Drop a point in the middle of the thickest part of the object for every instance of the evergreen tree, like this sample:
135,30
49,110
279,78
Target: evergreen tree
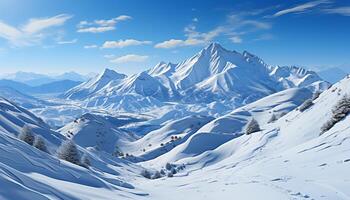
253,126
85,161
307,104
68,151
26,135
39,143
273,118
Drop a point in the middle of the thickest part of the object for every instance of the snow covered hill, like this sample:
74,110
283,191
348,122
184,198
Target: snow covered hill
97,131
13,118
290,158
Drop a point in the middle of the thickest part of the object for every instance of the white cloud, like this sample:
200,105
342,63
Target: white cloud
36,25
100,26
195,19
340,10
123,43
92,46
172,43
67,41
96,29
236,39
129,58
32,32
235,26
301,8
109,56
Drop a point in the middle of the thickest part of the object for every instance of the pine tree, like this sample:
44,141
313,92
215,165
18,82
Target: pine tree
339,112
273,118
253,126
145,173
85,161
39,143
27,135
156,175
68,151
307,104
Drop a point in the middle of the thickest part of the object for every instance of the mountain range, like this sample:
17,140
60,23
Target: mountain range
212,75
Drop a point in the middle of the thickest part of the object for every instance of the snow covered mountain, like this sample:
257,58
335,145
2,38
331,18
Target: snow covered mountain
214,74
93,85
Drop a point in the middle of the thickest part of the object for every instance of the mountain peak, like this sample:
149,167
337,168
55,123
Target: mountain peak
111,74
215,47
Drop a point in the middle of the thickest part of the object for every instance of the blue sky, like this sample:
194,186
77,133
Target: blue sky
131,36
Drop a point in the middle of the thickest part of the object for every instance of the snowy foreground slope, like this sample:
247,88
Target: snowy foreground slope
288,159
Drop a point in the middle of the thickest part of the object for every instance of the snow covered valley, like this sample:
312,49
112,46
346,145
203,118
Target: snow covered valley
219,125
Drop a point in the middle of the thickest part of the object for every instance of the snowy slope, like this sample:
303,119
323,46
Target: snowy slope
96,131
289,159
232,125
13,118
171,134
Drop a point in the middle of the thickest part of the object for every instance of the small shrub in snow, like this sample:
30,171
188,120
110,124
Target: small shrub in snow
68,151
173,171
170,174
339,112
168,166
85,161
307,104
316,95
253,126
156,175
273,118
145,173
282,114
39,143
26,135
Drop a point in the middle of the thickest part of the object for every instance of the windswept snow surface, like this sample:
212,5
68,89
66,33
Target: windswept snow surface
187,120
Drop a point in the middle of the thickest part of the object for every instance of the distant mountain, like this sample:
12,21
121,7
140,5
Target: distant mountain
214,74
60,86
73,76
35,79
108,77
333,74
20,98
55,87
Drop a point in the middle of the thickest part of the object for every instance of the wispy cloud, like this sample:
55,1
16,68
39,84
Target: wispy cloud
32,32
67,41
129,58
123,43
92,46
102,25
172,43
301,8
340,10
235,26
236,39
